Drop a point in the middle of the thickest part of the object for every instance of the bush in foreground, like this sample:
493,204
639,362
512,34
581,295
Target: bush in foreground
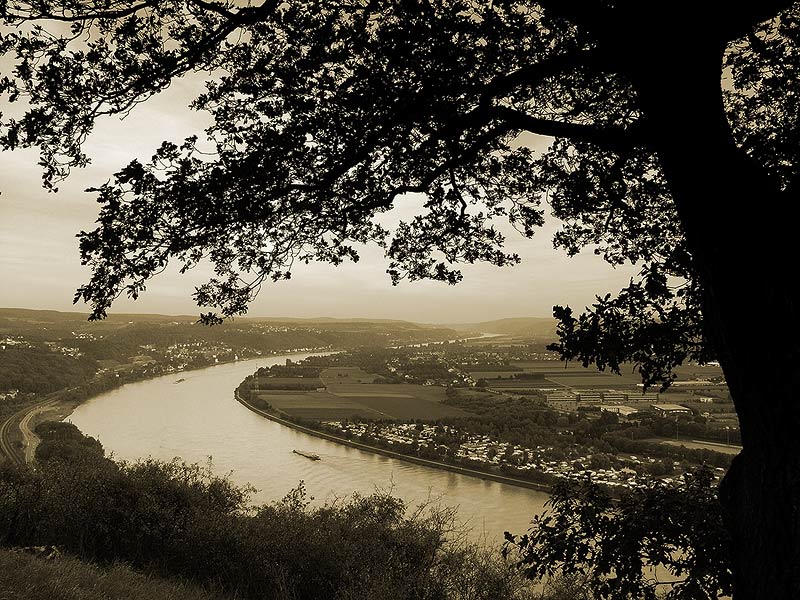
180,520
656,541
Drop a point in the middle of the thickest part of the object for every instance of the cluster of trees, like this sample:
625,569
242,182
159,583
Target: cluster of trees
373,360
655,541
179,520
64,441
697,427
699,456
41,371
425,370
292,369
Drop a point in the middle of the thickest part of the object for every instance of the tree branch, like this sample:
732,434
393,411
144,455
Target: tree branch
558,64
215,8
613,138
77,17
244,16
478,144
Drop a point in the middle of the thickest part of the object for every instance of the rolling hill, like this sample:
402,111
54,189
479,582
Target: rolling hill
543,328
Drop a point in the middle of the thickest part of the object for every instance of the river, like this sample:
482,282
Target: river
198,418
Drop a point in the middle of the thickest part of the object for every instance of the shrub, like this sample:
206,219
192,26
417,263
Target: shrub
614,548
180,520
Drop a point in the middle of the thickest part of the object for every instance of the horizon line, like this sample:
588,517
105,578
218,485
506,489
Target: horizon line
278,318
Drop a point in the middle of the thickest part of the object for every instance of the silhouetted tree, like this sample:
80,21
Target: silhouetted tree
657,541
324,113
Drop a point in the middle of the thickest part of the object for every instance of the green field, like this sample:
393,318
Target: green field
367,400
334,414
698,372
518,384
492,374
336,375
433,393
587,381
409,407
546,366
289,383
319,405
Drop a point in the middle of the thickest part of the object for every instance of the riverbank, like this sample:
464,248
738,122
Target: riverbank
196,422
59,405
398,455
17,439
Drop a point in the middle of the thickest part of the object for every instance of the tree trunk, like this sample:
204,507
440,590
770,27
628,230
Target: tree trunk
743,248
760,497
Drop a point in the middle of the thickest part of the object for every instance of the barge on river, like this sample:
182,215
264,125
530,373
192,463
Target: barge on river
310,455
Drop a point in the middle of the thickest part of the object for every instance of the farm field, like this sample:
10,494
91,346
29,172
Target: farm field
493,374
433,393
547,366
344,398
700,445
319,405
336,375
600,380
410,407
557,369
290,383
520,383
400,401
698,372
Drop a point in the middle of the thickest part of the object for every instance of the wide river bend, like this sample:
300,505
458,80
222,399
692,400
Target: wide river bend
198,418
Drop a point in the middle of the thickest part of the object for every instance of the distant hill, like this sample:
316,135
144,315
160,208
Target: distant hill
53,316
534,327
335,320
32,315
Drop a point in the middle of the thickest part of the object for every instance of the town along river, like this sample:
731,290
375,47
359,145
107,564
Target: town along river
198,418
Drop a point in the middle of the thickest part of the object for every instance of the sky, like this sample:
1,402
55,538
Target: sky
40,266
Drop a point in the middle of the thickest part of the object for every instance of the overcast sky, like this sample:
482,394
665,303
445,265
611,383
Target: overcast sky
40,268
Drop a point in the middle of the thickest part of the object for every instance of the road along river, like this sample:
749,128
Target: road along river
198,418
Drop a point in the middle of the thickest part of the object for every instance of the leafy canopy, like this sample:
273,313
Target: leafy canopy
657,541
325,113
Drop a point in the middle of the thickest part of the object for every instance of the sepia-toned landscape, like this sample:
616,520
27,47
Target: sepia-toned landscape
420,300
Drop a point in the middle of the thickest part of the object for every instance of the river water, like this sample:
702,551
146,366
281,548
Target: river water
198,418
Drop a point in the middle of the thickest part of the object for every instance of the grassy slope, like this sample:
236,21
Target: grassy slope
26,577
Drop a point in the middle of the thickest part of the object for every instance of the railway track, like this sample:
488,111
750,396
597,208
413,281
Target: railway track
19,421
7,447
